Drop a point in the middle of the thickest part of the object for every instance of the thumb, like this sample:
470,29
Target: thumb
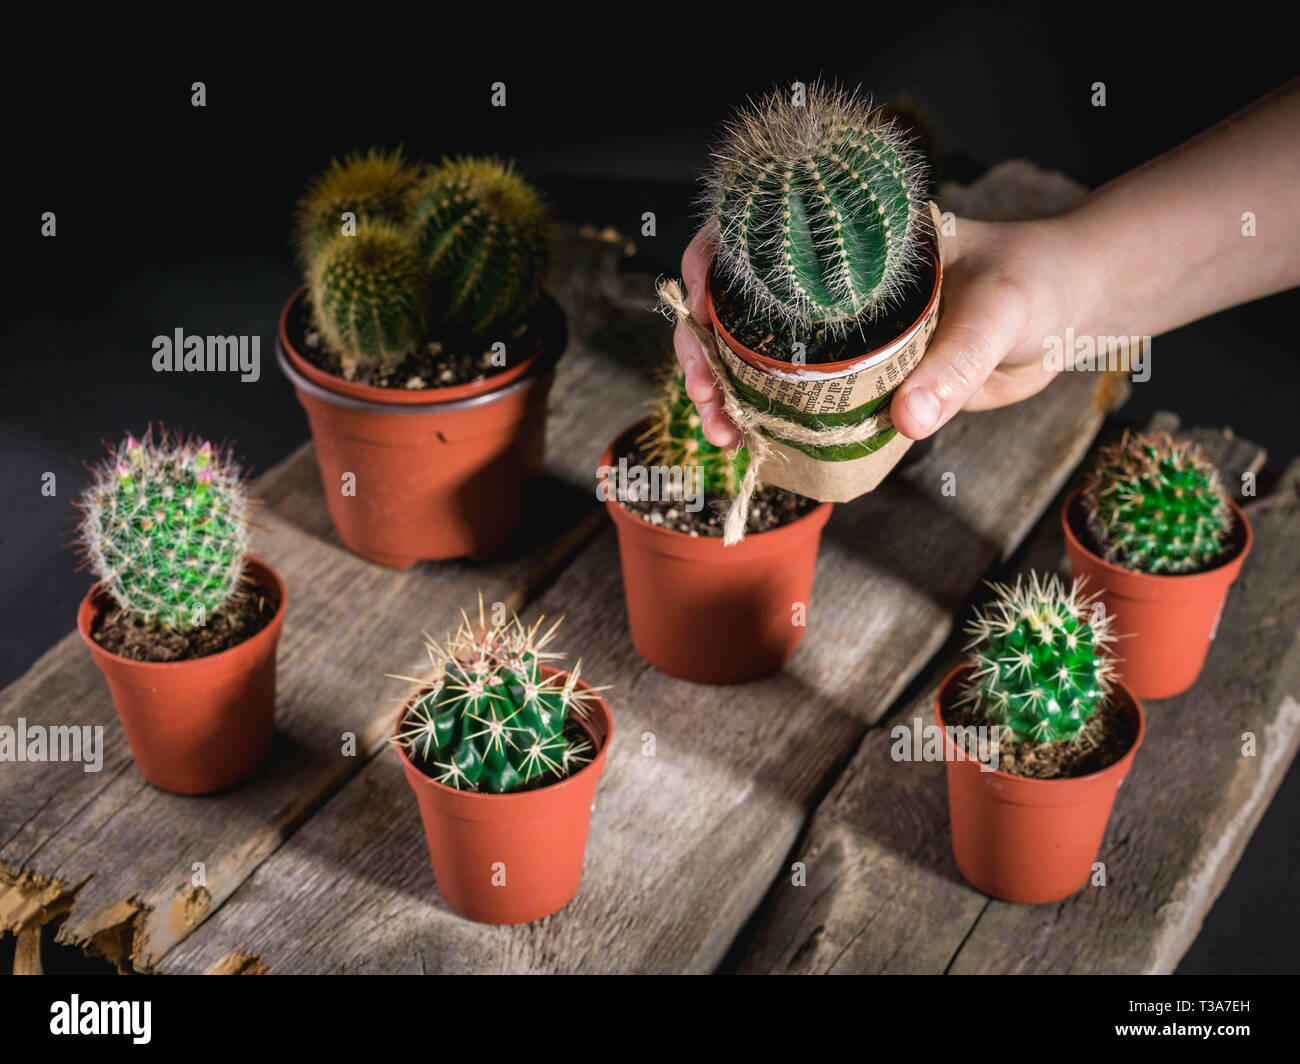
977,329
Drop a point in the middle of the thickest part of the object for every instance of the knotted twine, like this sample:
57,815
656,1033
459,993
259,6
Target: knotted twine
756,424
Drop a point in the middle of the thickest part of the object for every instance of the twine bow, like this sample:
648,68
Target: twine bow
757,425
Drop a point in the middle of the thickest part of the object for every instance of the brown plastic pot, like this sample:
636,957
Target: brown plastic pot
201,725
1165,622
1026,840
436,472
707,613
512,858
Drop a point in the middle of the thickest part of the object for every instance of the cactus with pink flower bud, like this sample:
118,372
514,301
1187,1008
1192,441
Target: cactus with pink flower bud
164,525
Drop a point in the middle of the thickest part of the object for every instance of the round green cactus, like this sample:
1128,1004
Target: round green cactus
369,293
1042,659
1155,505
819,210
373,187
489,720
164,526
675,438
485,237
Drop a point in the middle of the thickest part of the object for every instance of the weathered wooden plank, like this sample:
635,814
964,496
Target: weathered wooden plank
684,844
125,858
883,893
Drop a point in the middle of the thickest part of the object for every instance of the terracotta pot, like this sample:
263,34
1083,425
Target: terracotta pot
1026,840
512,858
201,725
1165,622
707,613
437,472
831,394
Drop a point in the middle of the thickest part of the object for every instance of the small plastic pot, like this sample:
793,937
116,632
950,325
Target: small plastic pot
201,725
707,613
428,474
517,857
1026,840
1165,621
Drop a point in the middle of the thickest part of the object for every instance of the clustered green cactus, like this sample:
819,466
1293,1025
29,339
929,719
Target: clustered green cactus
458,252
675,438
164,525
820,211
488,719
1155,505
1042,659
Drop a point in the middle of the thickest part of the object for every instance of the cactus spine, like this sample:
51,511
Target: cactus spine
1155,505
488,720
373,187
675,438
369,294
819,210
164,525
1042,659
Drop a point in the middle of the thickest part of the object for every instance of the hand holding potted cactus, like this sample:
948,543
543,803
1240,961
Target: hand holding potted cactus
183,623
422,349
1154,533
503,752
1028,827
824,289
697,609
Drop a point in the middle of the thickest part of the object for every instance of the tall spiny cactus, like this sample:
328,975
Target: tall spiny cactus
164,525
373,187
1155,505
485,236
369,292
1042,659
488,719
819,210
675,438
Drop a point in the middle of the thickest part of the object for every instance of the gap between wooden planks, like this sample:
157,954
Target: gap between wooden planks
883,893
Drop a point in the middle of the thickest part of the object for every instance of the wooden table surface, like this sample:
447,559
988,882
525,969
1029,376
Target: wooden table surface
319,864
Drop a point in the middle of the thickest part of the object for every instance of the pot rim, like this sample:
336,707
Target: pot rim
1211,575
857,364
483,796
90,609
371,399
1119,767
618,512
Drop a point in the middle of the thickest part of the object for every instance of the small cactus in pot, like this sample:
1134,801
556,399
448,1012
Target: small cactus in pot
1154,504
374,186
675,438
1042,659
488,718
164,525
820,210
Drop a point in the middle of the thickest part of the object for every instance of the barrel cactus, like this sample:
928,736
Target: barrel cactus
1042,660
1155,504
164,526
372,186
369,293
488,719
820,211
675,438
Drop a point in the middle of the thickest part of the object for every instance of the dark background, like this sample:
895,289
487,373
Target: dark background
170,215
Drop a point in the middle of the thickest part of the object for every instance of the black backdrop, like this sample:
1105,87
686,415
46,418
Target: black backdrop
174,216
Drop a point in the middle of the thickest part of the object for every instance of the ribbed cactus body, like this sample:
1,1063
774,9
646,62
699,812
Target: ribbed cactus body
675,438
485,237
1155,505
370,292
1042,663
164,525
819,210
372,187
489,720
